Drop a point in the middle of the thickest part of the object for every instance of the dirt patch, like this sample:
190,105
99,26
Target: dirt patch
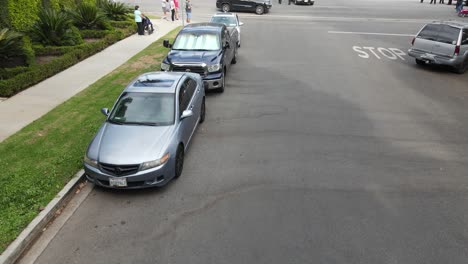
144,62
89,40
45,59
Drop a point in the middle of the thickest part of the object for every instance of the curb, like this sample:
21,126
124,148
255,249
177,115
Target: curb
34,229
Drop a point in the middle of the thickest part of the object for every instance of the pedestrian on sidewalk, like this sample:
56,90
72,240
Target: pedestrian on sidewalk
441,2
459,6
433,2
289,2
188,10
172,7
176,4
139,21
164,8
279,1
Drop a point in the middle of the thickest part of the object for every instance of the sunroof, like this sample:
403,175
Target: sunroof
148,82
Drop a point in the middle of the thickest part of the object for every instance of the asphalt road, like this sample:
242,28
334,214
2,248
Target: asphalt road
314,154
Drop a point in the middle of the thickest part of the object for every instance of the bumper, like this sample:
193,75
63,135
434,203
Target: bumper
155,177
454,61
213,81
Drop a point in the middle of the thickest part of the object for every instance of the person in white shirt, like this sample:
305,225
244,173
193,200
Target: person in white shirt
164,8
172,5
139,20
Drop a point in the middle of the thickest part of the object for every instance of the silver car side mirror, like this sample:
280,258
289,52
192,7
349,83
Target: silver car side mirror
105,111
186,113
241,23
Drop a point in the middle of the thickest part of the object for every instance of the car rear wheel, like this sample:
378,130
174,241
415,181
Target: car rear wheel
420,62
202,111
179,162
226,7
259,10
462,68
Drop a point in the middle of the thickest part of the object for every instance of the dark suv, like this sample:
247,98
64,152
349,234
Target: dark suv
208,49
257,6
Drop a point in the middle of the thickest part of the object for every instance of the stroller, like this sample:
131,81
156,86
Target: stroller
147,25
463,13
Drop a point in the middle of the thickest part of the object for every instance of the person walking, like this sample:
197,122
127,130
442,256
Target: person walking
289,2
441,2
459,6
139,21
279,1
188,10
172,7
433,2
176,4
164,8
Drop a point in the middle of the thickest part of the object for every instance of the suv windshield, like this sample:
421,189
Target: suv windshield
153,109
440,33
226,20
197,41
449,35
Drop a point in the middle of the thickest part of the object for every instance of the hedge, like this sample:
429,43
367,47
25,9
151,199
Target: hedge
23,13
38,73
4,18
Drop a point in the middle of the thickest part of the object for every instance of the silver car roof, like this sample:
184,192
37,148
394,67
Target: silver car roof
170,76
457,24
224,14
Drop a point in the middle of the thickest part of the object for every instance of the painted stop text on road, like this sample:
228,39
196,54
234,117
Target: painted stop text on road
379,53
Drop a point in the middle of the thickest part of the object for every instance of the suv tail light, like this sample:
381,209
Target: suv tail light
457,50
412,42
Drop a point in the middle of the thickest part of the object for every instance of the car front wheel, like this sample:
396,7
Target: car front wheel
179,162
420,62
259,10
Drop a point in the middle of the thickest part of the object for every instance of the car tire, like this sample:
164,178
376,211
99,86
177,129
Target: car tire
179,162
462,68
202,111
226,8
420,62
234,59
259,10
221,89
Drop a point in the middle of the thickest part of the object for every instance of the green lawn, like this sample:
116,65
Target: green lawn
40,159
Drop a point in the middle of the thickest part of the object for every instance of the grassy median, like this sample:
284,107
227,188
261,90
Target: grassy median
40,159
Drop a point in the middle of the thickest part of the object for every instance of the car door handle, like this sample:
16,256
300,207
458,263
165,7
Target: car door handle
191,107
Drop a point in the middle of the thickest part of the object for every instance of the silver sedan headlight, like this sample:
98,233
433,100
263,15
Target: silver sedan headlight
155,163
165,67
214,67
90,162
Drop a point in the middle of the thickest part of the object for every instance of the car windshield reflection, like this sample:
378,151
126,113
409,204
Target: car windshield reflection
147,109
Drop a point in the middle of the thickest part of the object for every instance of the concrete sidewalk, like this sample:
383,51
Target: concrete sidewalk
29,105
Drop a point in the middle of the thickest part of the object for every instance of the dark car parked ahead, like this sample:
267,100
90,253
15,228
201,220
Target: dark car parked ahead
257,6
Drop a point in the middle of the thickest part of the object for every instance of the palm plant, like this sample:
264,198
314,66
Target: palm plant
53,28
116,11
11,43
87,16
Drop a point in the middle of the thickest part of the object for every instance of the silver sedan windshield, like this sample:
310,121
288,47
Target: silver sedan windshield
154,109
228,21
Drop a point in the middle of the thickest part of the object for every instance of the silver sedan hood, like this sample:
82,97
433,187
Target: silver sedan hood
129,144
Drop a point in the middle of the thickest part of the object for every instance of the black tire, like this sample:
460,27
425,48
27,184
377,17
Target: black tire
225,7
234,59
179,163
221,89
259,10
462,68
202,111
420,62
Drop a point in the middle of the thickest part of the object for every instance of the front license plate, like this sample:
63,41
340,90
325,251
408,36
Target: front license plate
118,182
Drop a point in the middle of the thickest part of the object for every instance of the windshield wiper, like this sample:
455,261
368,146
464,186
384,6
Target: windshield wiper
143,123
115,122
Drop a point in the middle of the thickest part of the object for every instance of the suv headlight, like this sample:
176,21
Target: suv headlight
165,67
155,163
90,162
214,67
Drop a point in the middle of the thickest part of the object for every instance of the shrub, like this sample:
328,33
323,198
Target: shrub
55,28
22,13
10,44
114,10
87,16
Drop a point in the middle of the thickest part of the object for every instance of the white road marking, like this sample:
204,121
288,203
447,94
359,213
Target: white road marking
389,53
326,18
371,33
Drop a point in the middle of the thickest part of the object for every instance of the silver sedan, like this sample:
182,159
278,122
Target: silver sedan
145,135
231,20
